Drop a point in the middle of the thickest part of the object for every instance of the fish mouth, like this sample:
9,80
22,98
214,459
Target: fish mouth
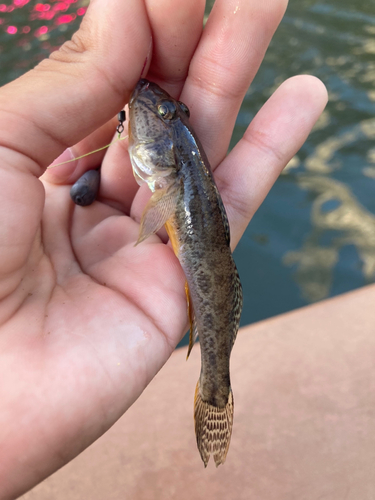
142,84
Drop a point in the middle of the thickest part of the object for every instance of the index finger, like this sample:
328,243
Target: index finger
80,87
227,58
176,29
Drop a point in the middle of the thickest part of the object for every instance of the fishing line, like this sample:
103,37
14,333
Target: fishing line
119,129
88,154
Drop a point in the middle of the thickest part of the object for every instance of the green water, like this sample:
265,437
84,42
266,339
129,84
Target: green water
314,236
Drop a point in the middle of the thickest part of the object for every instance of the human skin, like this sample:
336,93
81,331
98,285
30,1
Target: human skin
87,319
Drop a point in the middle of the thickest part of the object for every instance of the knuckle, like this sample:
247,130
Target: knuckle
264,143
73,49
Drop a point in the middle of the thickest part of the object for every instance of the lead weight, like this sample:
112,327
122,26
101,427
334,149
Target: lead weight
84,191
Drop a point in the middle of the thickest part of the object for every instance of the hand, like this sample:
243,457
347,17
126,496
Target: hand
87,319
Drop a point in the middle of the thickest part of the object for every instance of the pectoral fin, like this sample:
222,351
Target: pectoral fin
160,207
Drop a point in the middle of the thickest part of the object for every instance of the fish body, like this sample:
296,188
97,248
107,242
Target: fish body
166,154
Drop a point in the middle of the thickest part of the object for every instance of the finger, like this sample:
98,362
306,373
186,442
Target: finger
176,31
63,100
229,53
81,86
232,47
118,185
271,140
72,168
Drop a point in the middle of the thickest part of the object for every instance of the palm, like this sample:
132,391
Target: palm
104,287
87,318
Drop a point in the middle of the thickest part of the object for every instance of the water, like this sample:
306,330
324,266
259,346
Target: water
30,31
314,236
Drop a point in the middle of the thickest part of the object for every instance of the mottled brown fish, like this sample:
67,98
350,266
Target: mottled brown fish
166,153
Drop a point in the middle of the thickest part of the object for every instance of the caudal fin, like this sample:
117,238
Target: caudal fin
213,428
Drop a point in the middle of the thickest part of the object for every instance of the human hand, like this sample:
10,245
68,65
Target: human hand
87,319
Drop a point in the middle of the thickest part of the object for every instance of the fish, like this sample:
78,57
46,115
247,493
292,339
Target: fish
85,189
166,154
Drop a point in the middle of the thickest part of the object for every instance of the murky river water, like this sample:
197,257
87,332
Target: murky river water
314,236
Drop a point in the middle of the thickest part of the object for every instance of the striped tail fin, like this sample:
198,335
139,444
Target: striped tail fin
213,428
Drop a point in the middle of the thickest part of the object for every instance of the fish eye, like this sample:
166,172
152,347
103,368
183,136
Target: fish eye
184,108
167,110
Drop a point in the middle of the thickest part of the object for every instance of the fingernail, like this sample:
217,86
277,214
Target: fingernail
66,156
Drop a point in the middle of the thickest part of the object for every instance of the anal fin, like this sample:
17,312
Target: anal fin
193,325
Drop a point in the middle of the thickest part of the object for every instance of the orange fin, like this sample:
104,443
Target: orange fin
213,428
193,326
159,209
172,236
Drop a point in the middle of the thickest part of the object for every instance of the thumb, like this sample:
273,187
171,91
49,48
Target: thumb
80,87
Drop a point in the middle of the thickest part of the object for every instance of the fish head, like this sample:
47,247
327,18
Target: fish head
153,123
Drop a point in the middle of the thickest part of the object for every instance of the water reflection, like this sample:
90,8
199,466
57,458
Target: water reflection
30,31
337,211
326,157
351,222
319,216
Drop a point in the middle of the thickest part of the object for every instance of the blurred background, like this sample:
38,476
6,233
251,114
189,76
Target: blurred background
314,236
